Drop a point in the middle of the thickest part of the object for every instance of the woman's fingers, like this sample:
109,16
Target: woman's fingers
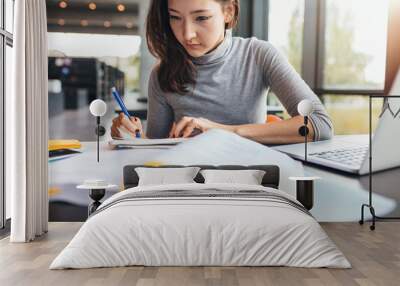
136,121
131,126
187,132
171,133
123,129
181,125
115,134
190,126
116,122
124,124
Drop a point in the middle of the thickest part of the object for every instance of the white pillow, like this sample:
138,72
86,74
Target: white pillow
247,177
166,176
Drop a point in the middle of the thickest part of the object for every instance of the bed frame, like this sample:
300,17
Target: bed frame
270,179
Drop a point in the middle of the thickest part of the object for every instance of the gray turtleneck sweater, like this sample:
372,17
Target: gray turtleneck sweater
230,89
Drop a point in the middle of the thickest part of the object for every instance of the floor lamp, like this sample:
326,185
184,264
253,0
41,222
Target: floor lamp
98,108
370,205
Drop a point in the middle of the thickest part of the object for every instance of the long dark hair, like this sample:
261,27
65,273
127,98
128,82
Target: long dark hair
176,70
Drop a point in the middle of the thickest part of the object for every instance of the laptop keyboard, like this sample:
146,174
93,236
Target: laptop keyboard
348,156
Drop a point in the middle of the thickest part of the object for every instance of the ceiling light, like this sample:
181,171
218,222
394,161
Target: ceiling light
67,61
61,22
121,7
107,24
59,62
63,4
92,6
84,23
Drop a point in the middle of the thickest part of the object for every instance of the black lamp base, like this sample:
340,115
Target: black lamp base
96,195
372,211
305,193
100,130
304,131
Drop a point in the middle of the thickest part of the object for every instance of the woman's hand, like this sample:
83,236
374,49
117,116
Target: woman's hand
191,126
130,126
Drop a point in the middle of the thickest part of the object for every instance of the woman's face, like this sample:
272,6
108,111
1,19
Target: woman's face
199,25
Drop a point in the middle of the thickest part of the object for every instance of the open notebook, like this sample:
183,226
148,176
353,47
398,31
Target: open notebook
145,143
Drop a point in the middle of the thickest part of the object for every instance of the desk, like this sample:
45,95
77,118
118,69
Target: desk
66,174
338,196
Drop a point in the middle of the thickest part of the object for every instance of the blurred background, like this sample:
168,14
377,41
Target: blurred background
339,48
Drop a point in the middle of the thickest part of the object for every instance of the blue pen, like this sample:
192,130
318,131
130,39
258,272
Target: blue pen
122,105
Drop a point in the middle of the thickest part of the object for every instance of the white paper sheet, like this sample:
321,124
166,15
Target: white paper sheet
147,142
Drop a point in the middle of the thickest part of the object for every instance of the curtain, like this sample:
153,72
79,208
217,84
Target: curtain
27,123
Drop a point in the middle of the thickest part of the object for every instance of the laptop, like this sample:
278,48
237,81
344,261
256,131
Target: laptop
350,153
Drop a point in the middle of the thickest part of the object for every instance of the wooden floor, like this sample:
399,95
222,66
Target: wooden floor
375,257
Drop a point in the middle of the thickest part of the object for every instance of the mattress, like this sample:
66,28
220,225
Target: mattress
201,225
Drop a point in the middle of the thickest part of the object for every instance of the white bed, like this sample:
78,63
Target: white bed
201,225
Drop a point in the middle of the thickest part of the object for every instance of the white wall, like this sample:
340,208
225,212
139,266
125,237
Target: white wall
94,45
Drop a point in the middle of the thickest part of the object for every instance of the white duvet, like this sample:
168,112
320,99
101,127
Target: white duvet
202,231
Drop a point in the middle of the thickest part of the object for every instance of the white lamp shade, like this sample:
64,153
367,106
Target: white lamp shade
305,107
98,107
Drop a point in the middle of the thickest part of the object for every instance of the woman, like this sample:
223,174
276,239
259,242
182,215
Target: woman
208,79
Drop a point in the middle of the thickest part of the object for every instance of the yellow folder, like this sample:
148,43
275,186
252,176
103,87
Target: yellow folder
64,144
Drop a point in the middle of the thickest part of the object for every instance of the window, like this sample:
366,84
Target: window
354,60
339,48
8,74
350,114
285,32
285,29
9,11
355,44
6,40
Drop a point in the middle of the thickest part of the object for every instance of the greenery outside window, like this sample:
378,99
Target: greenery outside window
285,29
339,48
355,44
350,113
